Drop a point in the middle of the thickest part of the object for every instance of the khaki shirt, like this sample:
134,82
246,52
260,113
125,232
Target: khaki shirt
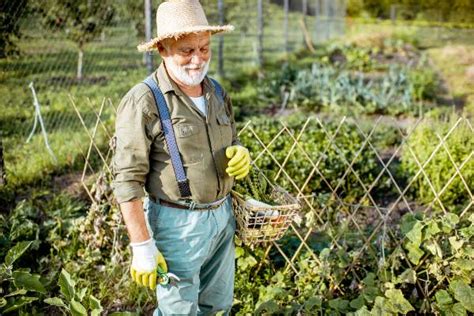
141,158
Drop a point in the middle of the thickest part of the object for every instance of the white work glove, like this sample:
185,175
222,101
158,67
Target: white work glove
145,262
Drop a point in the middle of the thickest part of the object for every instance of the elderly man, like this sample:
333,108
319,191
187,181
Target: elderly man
176,138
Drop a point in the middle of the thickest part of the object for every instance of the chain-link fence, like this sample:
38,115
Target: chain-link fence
52,51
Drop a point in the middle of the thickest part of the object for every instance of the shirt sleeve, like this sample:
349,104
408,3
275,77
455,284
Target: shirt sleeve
230,112
131,157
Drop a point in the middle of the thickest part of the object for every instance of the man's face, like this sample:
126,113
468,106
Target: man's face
187,57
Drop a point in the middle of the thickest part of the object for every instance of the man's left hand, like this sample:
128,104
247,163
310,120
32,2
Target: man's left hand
239,163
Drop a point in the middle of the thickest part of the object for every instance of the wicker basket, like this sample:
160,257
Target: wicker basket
260,224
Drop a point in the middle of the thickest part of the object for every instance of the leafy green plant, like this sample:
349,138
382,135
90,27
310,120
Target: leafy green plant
444,273
343,92
443,165
255,186
75,300
22,287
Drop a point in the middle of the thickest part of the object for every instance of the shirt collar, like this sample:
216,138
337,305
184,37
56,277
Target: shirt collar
166,84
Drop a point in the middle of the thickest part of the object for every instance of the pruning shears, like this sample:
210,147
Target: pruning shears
165,278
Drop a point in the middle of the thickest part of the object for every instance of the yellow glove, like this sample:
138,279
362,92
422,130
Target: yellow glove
239,163
145,262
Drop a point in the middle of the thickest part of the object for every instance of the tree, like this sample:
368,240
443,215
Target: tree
81,20
11,11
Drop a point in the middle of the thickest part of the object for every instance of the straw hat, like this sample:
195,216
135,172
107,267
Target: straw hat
175,18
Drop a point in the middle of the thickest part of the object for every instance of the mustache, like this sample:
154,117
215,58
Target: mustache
194,67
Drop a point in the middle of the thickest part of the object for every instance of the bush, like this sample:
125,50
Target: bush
439,170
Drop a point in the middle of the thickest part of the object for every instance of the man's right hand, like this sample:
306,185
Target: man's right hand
145,261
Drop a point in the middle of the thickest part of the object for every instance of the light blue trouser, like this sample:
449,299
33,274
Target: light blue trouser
198,247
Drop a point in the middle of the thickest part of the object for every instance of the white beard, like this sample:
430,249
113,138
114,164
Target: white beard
181,73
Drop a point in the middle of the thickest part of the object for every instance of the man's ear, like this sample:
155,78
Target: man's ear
161,49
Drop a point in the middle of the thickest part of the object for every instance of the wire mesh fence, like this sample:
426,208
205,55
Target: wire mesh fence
46,59
53,50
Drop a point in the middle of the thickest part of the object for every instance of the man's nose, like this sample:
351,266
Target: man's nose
197,58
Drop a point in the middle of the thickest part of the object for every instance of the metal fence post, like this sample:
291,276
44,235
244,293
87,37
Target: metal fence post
260,33
286,8
327,25
148,55
304,11
317,16
2,169
393,13
342,17
220,57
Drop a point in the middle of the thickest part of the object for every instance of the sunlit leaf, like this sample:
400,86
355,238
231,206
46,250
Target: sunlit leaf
16,251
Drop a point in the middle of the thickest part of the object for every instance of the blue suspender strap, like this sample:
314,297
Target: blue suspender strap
183,182
218,88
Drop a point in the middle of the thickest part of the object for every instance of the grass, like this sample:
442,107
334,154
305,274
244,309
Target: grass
453,62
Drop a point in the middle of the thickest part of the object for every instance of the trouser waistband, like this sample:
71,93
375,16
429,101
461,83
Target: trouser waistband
191,205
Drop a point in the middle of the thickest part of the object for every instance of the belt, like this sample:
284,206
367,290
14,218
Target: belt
192,205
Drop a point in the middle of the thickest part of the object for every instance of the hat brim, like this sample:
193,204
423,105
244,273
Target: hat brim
151,45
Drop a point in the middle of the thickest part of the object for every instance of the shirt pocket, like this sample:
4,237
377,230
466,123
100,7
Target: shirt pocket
190,139
187,130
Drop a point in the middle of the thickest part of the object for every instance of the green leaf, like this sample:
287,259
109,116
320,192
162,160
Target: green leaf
458,310
95,312
339,304
434,248
398,302
246,262
443,298
414,253
66,285
467,232
362,312
124,314
16,304
407,223
81,293
449,222
370,293
77,309
451,218
464,264
431,229
3,301
269,307
56,301
358,302
313,303
463,293
380,307
369,279
408,276
14,253
94,303
28,281
17,292
456,244
416,233
324,254
239,252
